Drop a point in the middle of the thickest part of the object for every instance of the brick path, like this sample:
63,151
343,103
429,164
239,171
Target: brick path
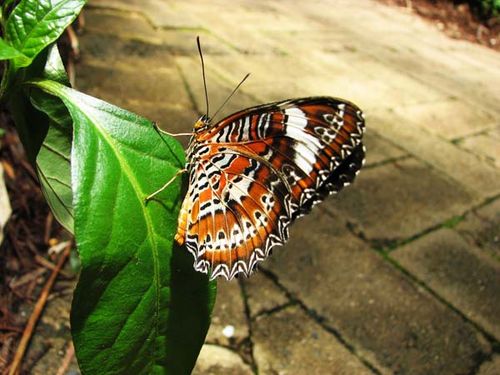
400,274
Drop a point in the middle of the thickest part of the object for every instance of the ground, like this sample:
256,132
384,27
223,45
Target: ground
398,274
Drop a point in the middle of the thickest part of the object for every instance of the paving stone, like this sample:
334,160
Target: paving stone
119,86
229,325
290,342
495,132
262,294
458,272
111,51
482,228
380,150
409,195
216,360
53,358
128,25
491,367
485,146
435,118
389,321
480,178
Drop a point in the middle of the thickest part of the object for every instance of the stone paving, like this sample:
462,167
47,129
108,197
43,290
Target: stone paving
399,274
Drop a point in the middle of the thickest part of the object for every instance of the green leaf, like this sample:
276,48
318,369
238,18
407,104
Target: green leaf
53,159
7,52
139,307
35,24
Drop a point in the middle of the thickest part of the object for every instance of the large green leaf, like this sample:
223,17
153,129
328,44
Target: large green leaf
35,24
139,307
53,159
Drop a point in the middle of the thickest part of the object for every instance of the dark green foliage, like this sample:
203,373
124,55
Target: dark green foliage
485,9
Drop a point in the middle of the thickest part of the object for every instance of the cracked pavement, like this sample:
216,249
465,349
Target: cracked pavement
400,273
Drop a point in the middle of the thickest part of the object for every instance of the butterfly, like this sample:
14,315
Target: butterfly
256,171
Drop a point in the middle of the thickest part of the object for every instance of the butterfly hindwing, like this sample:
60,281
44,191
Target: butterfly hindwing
257,170
234,212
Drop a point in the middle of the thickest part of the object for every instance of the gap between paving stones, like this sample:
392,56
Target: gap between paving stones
131,10
318,319
456,141
387,246
248,318
274,310
126,10
387,161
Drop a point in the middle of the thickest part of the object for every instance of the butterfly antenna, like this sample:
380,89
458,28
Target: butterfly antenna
229,97
203,71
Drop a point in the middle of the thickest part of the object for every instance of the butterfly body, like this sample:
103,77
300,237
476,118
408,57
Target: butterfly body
254,172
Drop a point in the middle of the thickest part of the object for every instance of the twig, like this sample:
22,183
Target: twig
70,352
28,168
5,327
81,23
26,278
74,54
37,311
70,70
51,266
48,228
5,351
9,170
73,42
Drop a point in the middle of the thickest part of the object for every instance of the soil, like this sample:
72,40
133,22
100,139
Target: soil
455,20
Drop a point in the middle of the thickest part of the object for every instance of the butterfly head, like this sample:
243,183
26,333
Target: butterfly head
202,124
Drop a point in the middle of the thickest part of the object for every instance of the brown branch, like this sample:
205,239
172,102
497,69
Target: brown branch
37,311
51,266
5,327
70,352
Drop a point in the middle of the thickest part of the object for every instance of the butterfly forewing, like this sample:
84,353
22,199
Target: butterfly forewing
256,171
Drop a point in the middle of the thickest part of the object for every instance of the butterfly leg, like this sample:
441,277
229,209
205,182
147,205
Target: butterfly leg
152,195
161,131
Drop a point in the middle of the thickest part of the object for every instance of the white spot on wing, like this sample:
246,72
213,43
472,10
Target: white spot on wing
307,145
305,158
